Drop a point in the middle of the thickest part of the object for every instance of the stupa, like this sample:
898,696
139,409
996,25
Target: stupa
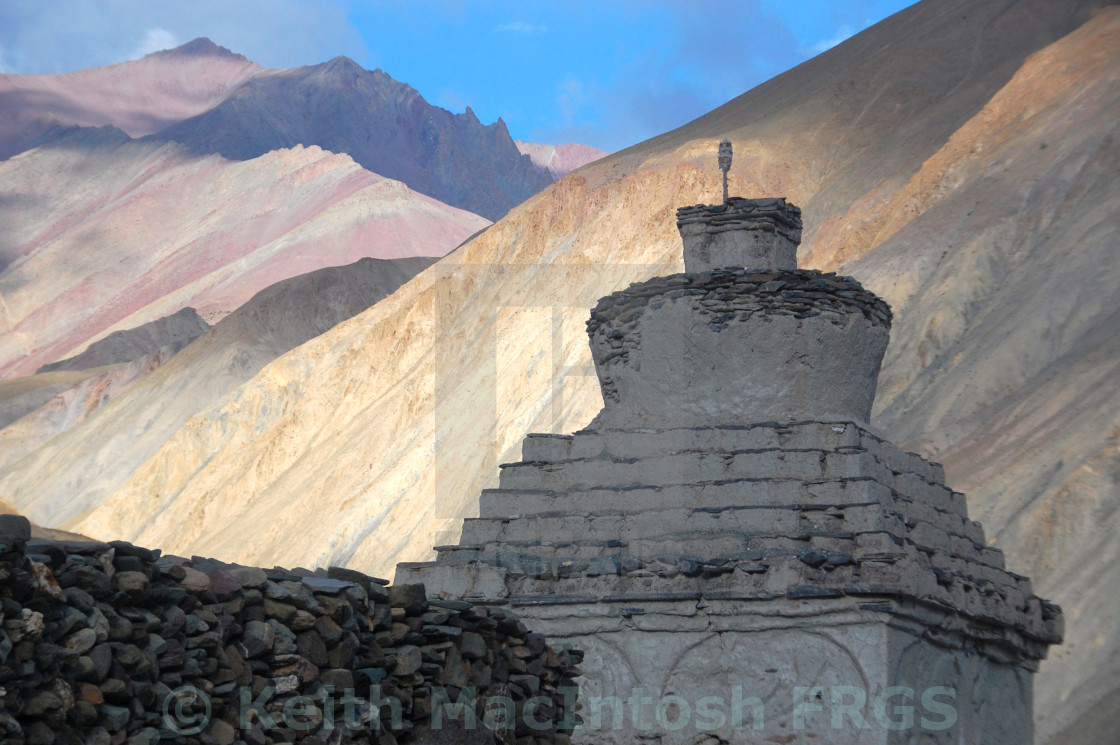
740,556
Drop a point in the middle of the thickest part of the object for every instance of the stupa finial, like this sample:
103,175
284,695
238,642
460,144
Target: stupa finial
725,164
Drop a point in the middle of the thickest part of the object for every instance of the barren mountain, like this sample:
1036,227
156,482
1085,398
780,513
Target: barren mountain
215,101
139,97
958,158
44,405
21,396
174,331
103,233
559,160
386,126
140,419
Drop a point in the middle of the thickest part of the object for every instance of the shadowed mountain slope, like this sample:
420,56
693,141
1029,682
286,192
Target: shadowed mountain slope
174,331
386,126
138,97
215,101
958,158
103,233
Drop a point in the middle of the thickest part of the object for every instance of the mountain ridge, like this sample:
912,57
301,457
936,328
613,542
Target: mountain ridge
385,125
133,230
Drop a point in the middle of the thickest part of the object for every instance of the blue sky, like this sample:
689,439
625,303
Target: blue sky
608,73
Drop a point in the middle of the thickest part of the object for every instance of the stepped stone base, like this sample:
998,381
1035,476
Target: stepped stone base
757,562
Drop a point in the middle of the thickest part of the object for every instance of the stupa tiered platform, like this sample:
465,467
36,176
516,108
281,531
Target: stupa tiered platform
738,554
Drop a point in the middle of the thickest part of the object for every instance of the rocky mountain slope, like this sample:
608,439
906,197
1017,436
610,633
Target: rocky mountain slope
138,97
559,160
958,158
215,101
21,396
103,233
386,126
44,405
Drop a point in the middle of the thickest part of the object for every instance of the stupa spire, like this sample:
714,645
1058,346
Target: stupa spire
725,154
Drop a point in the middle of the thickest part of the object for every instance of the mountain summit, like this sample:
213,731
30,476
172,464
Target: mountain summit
385,125
216,101
200,47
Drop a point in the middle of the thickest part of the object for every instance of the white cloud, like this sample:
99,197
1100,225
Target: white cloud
155,39
520,27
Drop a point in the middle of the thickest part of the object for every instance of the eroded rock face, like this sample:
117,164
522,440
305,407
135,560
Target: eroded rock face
384,125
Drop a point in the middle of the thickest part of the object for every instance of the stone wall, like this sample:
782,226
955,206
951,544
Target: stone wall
104,644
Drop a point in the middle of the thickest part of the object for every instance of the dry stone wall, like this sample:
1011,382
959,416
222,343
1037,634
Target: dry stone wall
104,644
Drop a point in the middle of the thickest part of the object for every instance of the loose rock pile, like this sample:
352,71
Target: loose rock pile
111,643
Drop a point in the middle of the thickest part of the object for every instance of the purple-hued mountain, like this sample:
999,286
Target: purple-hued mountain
138,97
385,126
215,101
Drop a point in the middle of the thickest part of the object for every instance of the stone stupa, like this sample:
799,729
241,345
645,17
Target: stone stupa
740,557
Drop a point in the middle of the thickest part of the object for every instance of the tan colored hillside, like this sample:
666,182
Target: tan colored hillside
959,159
78,446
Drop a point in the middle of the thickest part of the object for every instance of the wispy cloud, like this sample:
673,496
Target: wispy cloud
701,64
155,39
572,97
520,27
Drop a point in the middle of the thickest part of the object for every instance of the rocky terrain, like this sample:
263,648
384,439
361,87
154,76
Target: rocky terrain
958,159
104,233
44,405
215,101
100,643
385,125
138,414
